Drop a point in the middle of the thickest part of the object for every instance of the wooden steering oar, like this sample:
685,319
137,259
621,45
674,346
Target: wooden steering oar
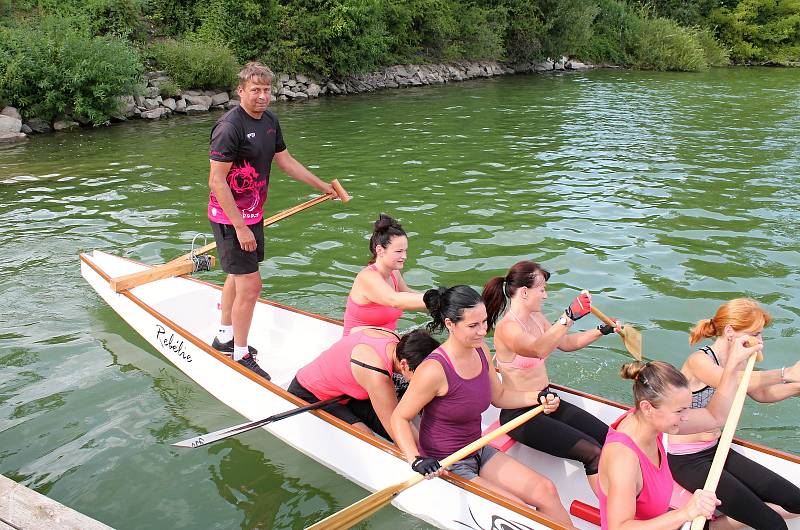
185,264
721,455
631,337
354,513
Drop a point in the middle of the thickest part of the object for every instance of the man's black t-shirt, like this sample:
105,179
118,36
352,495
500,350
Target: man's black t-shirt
250,145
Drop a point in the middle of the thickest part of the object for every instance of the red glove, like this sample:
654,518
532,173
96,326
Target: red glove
579,307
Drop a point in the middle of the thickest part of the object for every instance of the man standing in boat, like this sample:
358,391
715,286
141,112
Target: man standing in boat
244,142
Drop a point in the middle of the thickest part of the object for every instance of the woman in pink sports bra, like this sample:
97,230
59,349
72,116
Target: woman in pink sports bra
635,482
379,294
523,339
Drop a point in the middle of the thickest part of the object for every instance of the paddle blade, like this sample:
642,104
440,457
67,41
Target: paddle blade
632,340
359,511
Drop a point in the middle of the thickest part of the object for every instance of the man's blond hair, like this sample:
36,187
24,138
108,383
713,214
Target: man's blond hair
254,71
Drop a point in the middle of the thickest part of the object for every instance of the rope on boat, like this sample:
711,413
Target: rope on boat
201,262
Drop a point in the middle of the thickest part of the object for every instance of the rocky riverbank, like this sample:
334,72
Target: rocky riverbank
157,102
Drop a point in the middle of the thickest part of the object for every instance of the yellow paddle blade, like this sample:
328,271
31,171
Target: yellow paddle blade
359,511
632,340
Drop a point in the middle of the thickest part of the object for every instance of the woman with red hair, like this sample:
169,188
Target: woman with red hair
750,493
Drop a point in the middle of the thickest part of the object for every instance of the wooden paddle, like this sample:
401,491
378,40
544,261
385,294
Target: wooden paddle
631,337
185,265
354,513
205,439
721,455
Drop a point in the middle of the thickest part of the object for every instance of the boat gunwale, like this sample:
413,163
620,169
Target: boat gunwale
521,509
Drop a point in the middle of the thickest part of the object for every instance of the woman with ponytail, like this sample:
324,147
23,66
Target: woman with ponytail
379,294
452,388
523,340
635,482
750,493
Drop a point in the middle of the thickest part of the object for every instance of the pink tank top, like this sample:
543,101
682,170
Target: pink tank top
330,374
371,314
657,483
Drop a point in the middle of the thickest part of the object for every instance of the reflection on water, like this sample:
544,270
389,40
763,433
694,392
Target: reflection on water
664,194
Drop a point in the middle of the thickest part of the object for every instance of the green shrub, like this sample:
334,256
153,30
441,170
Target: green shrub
195,64
715,54
760,30
661,44
168,89
122,18
612,34
53,67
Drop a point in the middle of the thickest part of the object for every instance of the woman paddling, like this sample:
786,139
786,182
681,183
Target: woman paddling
452,387
635,480
750,493
361,365
523,340
379,294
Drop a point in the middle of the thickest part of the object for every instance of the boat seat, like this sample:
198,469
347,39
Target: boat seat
501,443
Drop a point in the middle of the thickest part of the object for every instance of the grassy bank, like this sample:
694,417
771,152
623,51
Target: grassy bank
75,57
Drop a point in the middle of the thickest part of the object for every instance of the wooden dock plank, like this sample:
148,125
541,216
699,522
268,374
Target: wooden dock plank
21,507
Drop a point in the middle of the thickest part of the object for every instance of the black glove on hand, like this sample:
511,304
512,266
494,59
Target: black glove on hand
605,329
425,465
544,393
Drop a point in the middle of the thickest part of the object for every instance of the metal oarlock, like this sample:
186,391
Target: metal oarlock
203,261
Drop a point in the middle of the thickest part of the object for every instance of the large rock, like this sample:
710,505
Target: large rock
153,114
219,99
302,79
10,138
196,109
65,125
11,112
25,129
39,125
313,90
197,100
151,104
180,105
169,103
333,87
9,124
151,92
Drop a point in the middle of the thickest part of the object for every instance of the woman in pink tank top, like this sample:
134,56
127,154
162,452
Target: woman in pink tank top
452,388
523,340
361,366
379,293
635,483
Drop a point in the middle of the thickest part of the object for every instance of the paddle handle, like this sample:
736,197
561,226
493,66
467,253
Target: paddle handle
721,455
602,316
466,451
599,314
340,191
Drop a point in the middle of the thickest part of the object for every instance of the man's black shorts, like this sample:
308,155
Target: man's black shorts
232,258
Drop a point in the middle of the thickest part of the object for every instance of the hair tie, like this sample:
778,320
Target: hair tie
713,326
504,289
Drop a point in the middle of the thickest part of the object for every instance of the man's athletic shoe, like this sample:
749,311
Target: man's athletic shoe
227,347
250,363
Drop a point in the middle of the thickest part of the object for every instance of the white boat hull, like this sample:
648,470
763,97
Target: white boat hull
178,317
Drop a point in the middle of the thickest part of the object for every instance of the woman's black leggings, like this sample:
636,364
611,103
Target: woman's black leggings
743,488
569,432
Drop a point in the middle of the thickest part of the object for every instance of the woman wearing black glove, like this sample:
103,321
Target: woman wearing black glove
523,339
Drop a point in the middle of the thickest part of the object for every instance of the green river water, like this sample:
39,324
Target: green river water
664,194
